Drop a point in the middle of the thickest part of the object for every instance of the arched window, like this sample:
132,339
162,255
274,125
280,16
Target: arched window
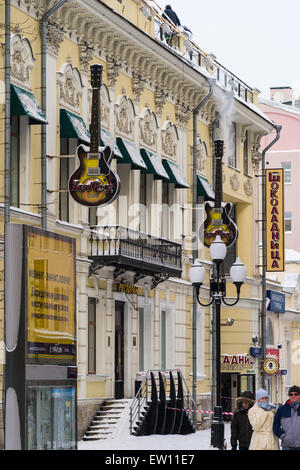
270,333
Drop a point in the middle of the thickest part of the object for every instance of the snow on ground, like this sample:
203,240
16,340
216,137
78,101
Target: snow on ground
122,440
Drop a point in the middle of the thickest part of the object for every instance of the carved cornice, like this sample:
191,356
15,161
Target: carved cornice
54,39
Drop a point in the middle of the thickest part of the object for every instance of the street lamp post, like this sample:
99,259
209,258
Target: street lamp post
217,294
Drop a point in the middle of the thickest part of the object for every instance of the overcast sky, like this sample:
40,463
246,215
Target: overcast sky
259,41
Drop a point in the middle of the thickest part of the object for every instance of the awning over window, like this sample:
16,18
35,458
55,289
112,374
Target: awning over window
154,165
204,189
73,127
130,154
108,139
25,103
175,174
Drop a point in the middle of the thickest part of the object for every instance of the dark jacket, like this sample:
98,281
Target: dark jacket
170,14
286,425
241,429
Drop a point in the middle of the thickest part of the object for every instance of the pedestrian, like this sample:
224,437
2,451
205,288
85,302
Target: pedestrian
171,17
241,429
170,14
287,421
261,417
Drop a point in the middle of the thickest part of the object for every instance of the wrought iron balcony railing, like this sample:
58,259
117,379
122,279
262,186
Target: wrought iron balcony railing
131,250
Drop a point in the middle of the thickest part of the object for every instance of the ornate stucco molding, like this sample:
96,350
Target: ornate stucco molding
124,116
54,39
169,140
148,129
22,60
70,86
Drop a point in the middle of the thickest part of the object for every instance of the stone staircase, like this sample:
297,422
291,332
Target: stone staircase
107,419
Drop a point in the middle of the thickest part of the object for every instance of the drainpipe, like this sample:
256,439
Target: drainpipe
7,111
264,250
211,83
44,108
7,151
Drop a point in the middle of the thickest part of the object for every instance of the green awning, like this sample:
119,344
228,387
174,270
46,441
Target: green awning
24,103
130,154
175,174
204,189
73,127
154,165
108,139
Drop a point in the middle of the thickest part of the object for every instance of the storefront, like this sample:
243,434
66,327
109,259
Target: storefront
237,376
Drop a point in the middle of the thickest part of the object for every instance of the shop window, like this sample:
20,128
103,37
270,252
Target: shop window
166,339
91,335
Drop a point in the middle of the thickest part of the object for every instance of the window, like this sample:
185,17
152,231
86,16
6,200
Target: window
64,181
246,155
270,333
287,166
167,338
231,250
141,339
287,221
91,335
143,202
231,147
15,161
165,215
92,216
163,339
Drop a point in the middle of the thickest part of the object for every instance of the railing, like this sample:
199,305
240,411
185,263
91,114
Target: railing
115,240
145,393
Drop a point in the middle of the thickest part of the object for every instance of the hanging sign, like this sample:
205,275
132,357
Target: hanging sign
275,219
271,365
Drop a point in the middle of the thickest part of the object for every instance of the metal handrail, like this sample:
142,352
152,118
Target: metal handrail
143,395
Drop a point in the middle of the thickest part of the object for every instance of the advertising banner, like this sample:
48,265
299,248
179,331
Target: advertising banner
275,219
51,334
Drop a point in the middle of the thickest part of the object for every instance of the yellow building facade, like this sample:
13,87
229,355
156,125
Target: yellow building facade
134,309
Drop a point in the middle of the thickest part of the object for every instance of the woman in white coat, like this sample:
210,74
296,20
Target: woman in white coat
261,417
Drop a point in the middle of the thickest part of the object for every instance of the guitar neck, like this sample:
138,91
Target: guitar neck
95,118
218,176
218,188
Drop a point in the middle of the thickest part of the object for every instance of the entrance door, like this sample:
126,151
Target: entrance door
119,350
246,382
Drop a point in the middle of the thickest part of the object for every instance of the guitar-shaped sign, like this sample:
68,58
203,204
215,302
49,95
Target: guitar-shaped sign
218,221
94,183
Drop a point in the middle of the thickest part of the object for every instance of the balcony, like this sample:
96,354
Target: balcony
134,251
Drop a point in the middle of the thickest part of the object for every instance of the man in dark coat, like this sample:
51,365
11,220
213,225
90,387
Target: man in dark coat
170,14
241,429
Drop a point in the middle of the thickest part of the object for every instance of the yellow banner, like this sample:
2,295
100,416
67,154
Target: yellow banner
275,219
50,297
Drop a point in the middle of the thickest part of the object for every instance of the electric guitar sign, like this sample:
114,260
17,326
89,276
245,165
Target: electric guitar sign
218,221
94,183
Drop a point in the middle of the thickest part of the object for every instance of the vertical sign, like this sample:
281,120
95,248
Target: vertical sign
275,219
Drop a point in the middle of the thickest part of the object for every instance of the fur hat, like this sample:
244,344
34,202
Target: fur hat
294,389
261,393
246,396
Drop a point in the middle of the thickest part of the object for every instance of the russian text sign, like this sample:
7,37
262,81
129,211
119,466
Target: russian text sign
275,219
